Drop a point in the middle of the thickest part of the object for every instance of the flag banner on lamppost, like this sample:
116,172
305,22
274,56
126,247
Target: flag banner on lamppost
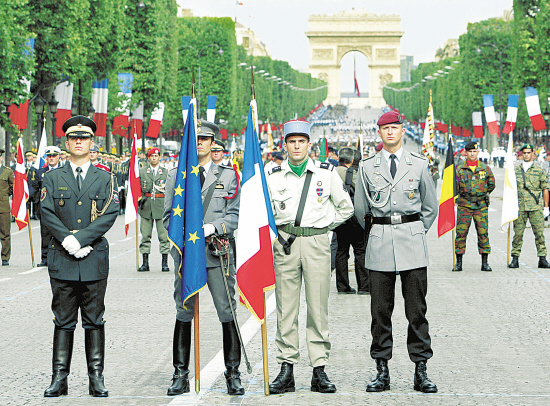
533,108
512,114
136,124
155,122
490,115
185,100
121,122
100,96
211,108
477,121
64,95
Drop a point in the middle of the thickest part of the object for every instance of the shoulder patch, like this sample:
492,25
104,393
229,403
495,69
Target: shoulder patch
418,155
326,165
369,157
275,169
43,194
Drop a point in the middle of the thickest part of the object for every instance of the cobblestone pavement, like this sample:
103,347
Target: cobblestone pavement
490,334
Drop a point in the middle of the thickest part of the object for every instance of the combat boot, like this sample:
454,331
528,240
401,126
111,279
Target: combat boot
320,382
458,265
232,358
61,362
421,381
382,380
543,263
165,267
484,264
284,381
514,263
94,344
181,352
145,266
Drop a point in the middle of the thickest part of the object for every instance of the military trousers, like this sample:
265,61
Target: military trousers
414,287
5,235
351,234
216,285
45,237
69,296
464,218
536,219
309,259
146,229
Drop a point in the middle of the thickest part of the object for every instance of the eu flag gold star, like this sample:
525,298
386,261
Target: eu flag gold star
195,170
178,190
184,173
193,237
177,211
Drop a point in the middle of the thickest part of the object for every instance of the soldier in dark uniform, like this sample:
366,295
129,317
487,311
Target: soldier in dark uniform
34,195
6,190
52,158
79,204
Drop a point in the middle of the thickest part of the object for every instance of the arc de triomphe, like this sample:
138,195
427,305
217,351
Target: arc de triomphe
376,36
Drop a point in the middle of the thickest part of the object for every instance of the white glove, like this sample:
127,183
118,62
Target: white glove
546,212
82,252
209,229
71,244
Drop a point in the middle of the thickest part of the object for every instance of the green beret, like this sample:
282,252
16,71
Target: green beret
529,146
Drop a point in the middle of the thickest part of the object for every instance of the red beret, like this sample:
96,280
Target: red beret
379,147
153,151
391,117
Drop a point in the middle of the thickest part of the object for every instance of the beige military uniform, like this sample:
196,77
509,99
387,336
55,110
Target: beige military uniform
327,205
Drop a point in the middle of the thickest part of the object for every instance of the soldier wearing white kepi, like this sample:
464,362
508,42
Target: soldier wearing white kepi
395,195
308,200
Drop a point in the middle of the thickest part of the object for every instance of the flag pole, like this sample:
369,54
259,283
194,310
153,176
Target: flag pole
508,246
137,243
197,346
454,255
264,352
30,236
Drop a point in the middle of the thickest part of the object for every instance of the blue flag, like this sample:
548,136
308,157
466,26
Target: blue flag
186,219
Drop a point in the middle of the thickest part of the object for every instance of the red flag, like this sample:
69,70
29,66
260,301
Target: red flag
134,187
18,115
20,190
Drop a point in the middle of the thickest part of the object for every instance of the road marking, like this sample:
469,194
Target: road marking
33,270
216,366
126,239
4,279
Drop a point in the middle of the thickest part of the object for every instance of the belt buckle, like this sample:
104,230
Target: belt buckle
396,219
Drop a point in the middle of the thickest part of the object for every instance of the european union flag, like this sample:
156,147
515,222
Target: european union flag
186,219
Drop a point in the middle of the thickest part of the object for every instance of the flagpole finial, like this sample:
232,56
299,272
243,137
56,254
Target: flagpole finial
193,83
252,83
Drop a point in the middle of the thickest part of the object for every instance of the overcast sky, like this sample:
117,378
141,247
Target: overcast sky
281,24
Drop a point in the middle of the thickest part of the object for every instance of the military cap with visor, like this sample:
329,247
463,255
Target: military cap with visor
79,127
471,145
297,127
53,151
218,146
207,129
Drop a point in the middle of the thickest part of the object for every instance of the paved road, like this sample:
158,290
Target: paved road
490,334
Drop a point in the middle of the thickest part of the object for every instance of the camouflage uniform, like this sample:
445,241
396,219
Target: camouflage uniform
530,207
473,201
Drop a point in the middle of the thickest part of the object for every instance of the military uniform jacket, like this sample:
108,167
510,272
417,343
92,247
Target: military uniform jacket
328,204
222,213
6,188
396,247
474,187
153,208
65,210
535,181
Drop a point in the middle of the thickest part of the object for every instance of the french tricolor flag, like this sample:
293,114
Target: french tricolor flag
512,114
64,95
257,230
533,108
100,95
211,108
137,120
121,122
477,121
490,115
156,121
185,100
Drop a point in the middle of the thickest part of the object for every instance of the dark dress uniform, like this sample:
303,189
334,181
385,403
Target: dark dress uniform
86,213
45,234
6,190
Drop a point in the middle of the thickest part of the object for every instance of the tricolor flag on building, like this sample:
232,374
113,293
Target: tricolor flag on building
185,100
211,108
257,230
64,95
100,96
512,114
510,206
121,122
490,115
446,220
134,187
137,120
156,121
533,108
477,121
20,190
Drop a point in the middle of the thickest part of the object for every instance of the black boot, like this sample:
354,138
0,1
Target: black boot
94,344
382,381
543,263
284,381
458,266
421,381
165,267
514,263
320,382
181,351
484,264
145,266
61,362
232,358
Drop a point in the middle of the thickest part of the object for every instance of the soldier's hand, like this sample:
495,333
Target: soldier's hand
209,229
82,252
71,244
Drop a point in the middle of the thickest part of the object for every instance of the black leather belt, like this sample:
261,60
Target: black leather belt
396,219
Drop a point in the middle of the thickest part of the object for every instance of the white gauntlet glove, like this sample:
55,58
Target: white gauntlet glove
209,229
71,244
546,212
82,252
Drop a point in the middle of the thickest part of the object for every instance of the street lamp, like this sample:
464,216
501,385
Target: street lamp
53,109
199,54
478,50
39,104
